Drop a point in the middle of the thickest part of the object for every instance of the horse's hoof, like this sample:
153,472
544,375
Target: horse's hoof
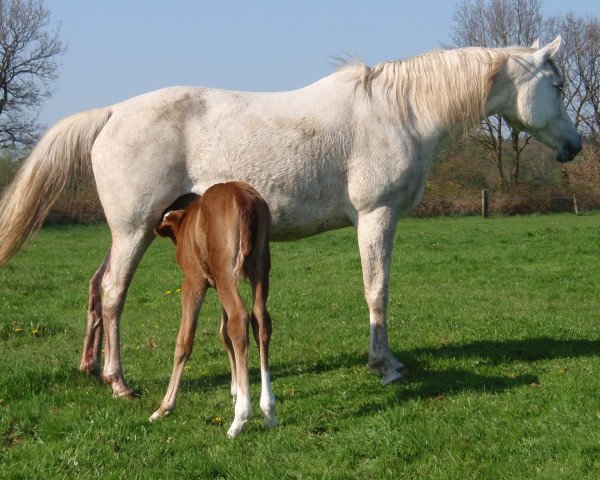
127,394
396,364
90,370
392,377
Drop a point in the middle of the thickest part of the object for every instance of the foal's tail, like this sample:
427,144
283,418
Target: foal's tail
63,154
254,227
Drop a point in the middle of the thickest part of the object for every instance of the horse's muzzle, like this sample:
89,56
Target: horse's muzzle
568,151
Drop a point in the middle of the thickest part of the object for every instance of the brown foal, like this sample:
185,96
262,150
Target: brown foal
221,238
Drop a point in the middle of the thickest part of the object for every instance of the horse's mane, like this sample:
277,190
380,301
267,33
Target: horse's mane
447,85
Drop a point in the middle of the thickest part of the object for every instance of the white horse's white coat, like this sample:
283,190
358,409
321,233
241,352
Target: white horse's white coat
355,148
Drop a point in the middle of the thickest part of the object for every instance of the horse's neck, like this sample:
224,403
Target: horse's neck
439,96
500,98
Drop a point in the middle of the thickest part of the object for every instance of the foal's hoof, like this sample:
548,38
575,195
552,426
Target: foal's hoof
270,421
234,431
236,427
157,415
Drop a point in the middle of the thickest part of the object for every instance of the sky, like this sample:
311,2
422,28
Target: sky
121,48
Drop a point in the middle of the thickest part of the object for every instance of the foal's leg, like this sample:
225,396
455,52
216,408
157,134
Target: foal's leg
237,330
193,293
125,255
90,359
375,238
226,341
262,328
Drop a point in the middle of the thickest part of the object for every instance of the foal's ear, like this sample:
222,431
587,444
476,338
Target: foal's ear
170,225
550,50
536,45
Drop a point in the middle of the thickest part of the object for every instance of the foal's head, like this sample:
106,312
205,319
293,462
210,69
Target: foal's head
170,224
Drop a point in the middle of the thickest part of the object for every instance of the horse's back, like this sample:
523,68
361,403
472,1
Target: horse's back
164,144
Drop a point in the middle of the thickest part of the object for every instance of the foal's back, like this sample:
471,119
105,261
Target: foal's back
227,230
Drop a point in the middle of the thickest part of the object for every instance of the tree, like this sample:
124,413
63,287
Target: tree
580,65
28,52
499,23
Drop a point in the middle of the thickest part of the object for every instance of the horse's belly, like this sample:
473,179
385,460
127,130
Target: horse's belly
295,220
303,202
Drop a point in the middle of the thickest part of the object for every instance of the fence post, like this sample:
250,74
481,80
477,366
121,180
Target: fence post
575,208
485,212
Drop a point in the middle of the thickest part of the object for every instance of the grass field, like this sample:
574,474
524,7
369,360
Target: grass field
497,321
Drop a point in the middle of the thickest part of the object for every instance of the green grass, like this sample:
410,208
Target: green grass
497,321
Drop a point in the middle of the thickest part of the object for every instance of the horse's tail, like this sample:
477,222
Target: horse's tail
63,154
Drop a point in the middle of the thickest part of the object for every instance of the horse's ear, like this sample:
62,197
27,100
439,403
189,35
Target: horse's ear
536,45
170,225
550,50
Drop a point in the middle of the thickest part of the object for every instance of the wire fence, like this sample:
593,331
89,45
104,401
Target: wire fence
64,218
486,203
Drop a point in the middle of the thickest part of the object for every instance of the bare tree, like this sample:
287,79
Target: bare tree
28,52
580,64
499,23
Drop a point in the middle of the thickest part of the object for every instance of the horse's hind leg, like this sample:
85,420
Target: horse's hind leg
125,255
90,359
262,328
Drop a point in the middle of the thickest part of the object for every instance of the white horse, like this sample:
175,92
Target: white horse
354,148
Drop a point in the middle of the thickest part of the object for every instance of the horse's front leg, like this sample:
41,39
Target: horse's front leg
375,238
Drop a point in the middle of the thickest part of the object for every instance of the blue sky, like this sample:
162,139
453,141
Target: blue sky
121,48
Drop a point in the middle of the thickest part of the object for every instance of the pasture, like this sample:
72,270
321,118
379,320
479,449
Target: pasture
497,321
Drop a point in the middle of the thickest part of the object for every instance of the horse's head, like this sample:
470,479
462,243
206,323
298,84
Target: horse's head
528,93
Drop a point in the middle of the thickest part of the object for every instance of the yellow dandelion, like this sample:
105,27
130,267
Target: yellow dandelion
169,292
217,421
35,331
178,290
18,330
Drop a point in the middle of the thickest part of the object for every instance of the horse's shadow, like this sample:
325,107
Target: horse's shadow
496,352
425,382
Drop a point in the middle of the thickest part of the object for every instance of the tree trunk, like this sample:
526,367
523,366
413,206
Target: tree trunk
516,158
498,156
